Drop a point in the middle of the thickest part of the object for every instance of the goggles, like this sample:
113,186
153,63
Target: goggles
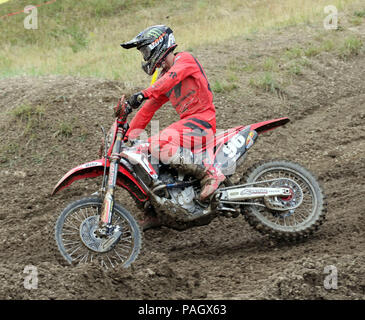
146,52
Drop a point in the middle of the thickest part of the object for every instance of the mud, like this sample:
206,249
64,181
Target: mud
226,259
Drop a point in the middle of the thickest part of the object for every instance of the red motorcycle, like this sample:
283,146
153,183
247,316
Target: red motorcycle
278,198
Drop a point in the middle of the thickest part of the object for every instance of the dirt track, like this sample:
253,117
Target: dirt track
226,259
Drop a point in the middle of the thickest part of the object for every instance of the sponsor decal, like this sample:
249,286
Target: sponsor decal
171,40
249,140
157,41
253,191
91,164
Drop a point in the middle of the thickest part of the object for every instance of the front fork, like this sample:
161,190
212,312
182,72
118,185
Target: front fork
108,204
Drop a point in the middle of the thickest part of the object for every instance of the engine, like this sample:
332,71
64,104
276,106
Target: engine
183,197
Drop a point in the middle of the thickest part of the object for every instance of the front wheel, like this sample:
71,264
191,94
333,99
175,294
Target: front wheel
78,241
306,206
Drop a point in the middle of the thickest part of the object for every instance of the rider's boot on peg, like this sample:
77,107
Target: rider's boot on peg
210,176
210,183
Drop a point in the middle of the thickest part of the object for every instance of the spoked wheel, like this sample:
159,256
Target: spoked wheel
79,242
293,217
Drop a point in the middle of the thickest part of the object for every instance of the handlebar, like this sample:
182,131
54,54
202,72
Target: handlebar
121,112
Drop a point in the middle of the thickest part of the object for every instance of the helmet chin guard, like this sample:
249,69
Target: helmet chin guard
154,43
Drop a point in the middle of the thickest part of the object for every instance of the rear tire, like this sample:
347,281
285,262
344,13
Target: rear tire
277,223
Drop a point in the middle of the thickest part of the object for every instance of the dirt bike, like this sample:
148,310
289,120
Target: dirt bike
278,198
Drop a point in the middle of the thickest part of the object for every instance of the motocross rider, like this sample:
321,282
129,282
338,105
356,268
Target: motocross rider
183,82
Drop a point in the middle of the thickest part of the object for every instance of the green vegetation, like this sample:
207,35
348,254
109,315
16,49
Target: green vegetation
241,66
360,13
65,129
356,21
351,46
8,151
27,112
270,64
295,69
312,51
358,17
267,82
223,86
328,45
82,37
293,53
30,116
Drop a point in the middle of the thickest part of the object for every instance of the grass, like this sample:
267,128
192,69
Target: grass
295,69
266,82
360,13
65,129
30,116
344,48
26,112
82,37
356,21
223,86
242,66
312,51
292,61
293,53
8,152
270,64
351,47
328,45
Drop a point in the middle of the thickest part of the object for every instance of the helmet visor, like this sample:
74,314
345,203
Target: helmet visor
146,52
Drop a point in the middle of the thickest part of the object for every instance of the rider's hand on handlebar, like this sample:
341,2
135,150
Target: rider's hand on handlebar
136,100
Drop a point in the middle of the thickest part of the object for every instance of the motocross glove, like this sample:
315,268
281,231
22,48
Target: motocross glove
136,100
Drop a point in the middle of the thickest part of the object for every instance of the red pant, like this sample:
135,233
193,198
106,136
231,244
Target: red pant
191,133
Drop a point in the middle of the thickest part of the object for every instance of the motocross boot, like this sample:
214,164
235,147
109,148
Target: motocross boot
210,183
194,170
210,179
183,161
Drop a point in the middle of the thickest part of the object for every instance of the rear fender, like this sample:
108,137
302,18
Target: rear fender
264,126
95,169
231,147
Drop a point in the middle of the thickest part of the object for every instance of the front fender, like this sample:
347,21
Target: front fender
96,168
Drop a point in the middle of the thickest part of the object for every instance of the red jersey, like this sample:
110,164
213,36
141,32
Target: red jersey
186,86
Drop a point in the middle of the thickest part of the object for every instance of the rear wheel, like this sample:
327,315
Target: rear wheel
296,216
78,242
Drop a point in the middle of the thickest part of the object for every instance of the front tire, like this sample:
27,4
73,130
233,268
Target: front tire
76,245
294,224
